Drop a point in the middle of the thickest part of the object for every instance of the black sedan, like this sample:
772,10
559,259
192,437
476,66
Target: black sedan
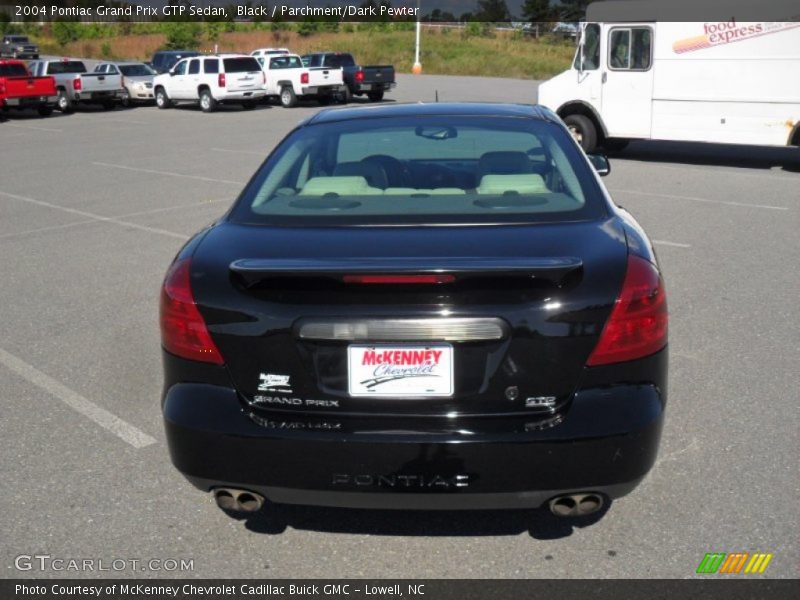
418,306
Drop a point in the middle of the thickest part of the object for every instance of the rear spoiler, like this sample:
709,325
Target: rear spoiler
254,270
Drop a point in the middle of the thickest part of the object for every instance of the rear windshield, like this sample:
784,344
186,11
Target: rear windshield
13,70
339,60
425,169
241,65
136,70
285,62
67,66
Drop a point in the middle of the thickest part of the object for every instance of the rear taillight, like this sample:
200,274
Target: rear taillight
304,78
637,326
183,330
77,85
359,76
221,80
399,279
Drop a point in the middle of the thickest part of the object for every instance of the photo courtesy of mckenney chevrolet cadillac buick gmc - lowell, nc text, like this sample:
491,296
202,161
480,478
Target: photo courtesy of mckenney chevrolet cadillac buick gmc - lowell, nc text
428,306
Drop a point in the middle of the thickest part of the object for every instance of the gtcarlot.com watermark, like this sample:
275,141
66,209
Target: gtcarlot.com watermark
47,562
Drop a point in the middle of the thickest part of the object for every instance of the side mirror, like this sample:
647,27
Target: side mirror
600,164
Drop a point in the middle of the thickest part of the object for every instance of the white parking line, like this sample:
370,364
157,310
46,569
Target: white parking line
33,127
84,213
169,173
122,429
239,151
696,199
673,244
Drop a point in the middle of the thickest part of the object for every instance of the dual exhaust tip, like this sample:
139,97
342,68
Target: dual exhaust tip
576,505
233,500
571,505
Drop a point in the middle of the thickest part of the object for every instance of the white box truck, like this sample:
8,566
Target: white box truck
724,81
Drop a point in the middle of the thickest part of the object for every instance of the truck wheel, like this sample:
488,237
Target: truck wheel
288,97
583,130
347,96
125,99
64,103
375,96
207,102
162,100
45,111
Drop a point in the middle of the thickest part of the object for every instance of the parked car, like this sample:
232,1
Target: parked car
288,80
18,46
20,90
373,80
418,306
261,53
212,80
137,80
76,85
164,60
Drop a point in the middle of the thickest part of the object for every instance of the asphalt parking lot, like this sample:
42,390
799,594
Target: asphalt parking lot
94,205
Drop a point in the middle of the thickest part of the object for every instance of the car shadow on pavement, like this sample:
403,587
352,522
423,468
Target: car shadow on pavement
540,524
723,155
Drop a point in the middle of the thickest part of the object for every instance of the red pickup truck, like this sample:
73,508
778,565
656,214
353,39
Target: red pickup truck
19,89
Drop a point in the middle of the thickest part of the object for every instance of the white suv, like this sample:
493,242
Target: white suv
211,80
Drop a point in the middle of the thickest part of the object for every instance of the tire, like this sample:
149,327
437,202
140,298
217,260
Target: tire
125,100
207,102
288,97
162,100
348,95
583,130
64,103
375,96
615,144
249,104
45,111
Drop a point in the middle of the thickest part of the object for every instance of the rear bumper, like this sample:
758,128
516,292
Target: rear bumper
98,96
315,90
380,86
605,441
30,101
254,94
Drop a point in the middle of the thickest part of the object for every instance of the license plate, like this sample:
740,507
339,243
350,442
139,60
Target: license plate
366,87
400,371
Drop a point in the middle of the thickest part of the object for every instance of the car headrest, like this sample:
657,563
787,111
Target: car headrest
342,186
504,163
373,173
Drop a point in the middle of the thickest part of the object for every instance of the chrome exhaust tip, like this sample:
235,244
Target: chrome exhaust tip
236,500
576,505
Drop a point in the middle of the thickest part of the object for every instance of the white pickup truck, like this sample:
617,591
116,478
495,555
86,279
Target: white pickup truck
211,80
75,85
289,80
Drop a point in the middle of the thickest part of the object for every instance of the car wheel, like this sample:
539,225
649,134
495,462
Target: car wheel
288,97
125,99
64,103
583,130
45,111
162,100
375,96
207,102
249,104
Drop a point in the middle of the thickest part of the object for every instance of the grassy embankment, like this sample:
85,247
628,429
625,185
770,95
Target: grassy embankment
445,52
